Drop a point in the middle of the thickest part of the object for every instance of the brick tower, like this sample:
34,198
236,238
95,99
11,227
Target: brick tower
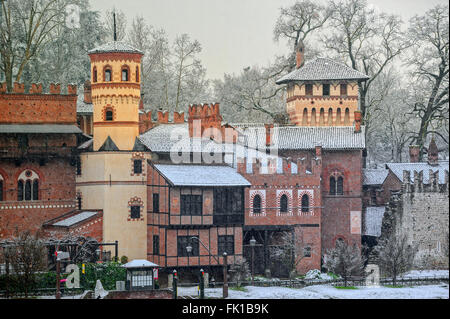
115,78
112,177
321,92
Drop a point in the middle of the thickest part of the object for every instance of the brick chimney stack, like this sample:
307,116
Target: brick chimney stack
414,151
433,153
300,54
269,133
87,92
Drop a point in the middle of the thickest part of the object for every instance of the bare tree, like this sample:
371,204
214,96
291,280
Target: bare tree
239,270
429,60
292,250
26,27
369,40
186,63
298,22
26,254
345,260
121,25
395,256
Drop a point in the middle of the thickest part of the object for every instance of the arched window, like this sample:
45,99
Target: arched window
94,74
108,75
305,203
257,204
284,204
339,241
340,186
20,190
137,74
125,74
332,185
28,186
35,189
109,116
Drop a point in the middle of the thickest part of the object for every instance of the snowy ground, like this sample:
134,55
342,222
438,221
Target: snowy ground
426,274
326,292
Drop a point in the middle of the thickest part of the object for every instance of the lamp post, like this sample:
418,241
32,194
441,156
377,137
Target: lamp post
225,265
253,244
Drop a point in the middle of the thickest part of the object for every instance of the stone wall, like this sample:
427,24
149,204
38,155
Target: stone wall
421,211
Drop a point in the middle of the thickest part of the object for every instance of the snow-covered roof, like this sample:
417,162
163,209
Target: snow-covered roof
83,107
398,168
373,220
115,46
75,219
40,128
201,175
322,69
374,176
305,138
139,263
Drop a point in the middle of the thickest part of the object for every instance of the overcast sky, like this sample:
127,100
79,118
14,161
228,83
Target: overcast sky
233,33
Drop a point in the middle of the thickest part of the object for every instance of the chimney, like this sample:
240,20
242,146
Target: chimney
300,54
414,151
269,131
433,153
87,92
358,121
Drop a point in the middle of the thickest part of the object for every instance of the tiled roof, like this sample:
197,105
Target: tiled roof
373,220
201,175
115,46
40,128
306,138
82,107
322,69
398,168
165,138
75,219
374,176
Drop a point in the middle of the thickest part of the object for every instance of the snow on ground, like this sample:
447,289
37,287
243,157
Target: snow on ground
426,274
325,292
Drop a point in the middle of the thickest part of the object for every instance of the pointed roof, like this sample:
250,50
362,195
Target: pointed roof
115,46
109,145
139,146
323,69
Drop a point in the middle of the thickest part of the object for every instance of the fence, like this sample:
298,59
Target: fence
356,282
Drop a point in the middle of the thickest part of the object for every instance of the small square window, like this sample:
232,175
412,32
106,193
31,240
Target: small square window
307,251
135,212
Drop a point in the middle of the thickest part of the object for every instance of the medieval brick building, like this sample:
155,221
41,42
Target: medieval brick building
38,142
153,186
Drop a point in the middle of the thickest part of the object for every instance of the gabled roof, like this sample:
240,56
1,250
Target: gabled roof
398,168
109,145
138,146
115,46
201,175
374,176
323,69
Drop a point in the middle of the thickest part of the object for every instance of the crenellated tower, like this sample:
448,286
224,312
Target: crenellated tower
116,93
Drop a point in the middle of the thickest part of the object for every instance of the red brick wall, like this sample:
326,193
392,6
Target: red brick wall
92,227
38,108
336,209
56,195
